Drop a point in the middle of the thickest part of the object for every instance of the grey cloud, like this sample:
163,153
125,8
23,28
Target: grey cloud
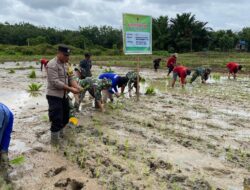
46,4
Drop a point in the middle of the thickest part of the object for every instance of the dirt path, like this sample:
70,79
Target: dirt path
196,138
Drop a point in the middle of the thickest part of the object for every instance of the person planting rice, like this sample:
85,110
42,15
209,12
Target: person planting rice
132,82
6,125
171,63
233,68
117,81
156,64
44,63
202,72
85,66
181,72
95,87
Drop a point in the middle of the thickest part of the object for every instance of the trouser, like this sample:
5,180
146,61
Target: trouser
194,76
170,69
58,112
156,66
6,132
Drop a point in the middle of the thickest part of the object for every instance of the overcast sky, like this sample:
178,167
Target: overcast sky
70,14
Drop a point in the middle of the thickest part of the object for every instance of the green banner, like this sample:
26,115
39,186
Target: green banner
137,34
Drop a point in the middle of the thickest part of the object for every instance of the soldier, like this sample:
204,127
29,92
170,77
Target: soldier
95,87
132,81
202,72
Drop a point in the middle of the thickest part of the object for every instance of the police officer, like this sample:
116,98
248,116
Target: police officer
59,83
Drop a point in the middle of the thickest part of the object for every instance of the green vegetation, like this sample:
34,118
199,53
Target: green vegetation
34,87
150,91
108,70
216,76
12,71
4,185
18,160
32,75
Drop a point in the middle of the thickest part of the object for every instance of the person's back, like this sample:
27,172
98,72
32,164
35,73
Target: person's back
232,66
180,70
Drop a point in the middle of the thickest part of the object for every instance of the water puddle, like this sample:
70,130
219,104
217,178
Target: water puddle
18,146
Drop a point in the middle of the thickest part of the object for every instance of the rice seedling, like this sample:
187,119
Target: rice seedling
12,71
33,87
150,91
32,75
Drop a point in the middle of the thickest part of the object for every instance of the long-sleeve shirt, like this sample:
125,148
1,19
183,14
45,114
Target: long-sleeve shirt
57,77
6,124
114,78
181,72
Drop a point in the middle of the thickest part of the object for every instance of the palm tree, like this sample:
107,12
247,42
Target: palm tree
185,28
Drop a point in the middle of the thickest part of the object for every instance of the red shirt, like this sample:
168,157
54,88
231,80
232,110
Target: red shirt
171,61
233,67
182,72
44,61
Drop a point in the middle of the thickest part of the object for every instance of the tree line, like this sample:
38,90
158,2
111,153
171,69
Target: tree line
184,33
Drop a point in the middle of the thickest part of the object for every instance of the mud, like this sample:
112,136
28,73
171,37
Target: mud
192,138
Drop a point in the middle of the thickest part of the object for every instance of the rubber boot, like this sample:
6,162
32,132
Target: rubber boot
55,138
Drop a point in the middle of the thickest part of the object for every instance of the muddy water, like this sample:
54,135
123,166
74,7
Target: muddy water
192,138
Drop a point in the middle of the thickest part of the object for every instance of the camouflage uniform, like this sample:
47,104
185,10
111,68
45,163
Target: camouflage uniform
200,71
132,79
94,87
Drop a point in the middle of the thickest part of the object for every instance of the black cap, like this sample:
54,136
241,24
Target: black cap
64,49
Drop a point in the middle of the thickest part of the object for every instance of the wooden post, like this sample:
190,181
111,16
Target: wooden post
138,79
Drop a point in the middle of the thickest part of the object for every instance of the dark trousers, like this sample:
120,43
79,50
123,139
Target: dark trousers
170,69
58,112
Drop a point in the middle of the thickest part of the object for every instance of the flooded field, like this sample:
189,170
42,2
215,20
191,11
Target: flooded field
193,138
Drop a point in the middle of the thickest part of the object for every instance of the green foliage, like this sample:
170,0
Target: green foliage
33,87
18,160
12,71
150,91
32,75
108,70
216,76
4,185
